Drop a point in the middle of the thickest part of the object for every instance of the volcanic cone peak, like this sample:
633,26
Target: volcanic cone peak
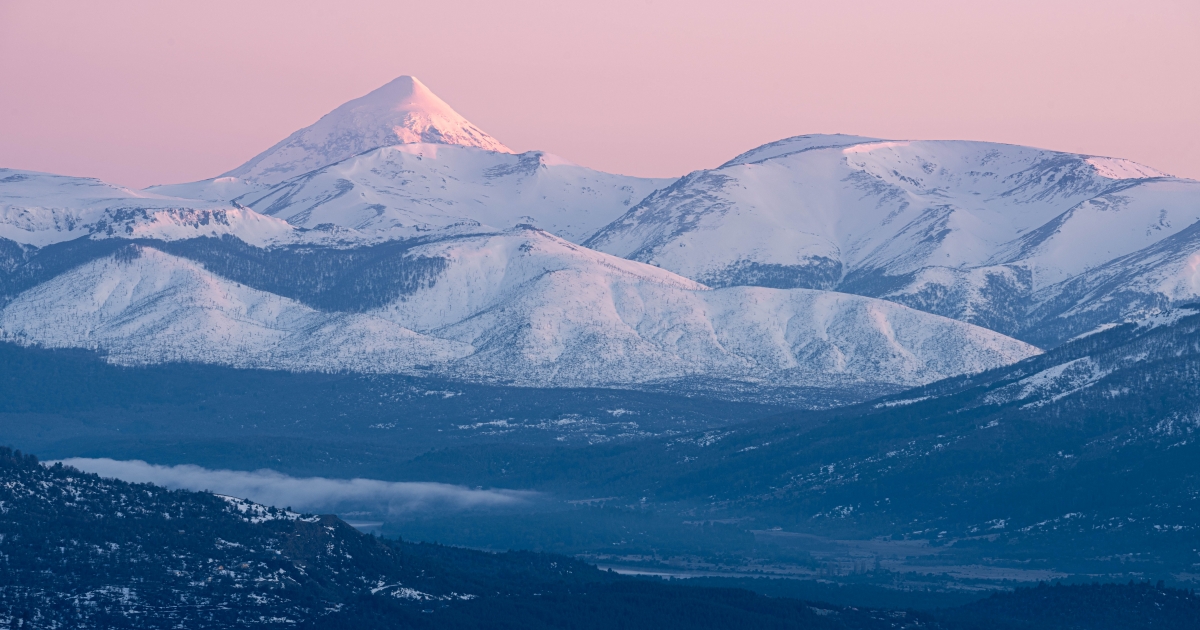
403,111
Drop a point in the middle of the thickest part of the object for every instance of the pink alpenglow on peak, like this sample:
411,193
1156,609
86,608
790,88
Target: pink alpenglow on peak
402,112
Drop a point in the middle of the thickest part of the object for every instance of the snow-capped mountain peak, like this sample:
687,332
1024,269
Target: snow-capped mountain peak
402,112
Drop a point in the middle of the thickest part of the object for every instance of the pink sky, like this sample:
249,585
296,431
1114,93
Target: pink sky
152,92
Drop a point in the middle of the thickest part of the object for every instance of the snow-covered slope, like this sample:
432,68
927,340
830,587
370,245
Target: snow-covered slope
541,308
400,162
971,230
403,111
1149,350
40,209
412,189
142,306
521,306
1149,281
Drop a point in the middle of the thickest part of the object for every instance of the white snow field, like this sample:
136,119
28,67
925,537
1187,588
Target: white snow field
142,306
41,209
523,307
977,231
413,189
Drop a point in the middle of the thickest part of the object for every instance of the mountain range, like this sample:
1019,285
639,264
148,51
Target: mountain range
918,369
394,236
1042,245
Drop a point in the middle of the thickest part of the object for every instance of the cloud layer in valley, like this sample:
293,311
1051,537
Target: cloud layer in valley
309,494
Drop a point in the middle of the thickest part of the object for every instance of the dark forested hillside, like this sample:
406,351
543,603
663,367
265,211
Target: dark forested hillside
71,403
1084,459
79,551
1131,606
84,552
326,278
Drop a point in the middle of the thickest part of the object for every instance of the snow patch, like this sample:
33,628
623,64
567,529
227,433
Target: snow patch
1117,168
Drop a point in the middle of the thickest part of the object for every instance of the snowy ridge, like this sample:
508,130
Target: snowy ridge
412,189
1117,168
1159,221
570,317
971,230
41,209
901,206
142,306
522,307
797,144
